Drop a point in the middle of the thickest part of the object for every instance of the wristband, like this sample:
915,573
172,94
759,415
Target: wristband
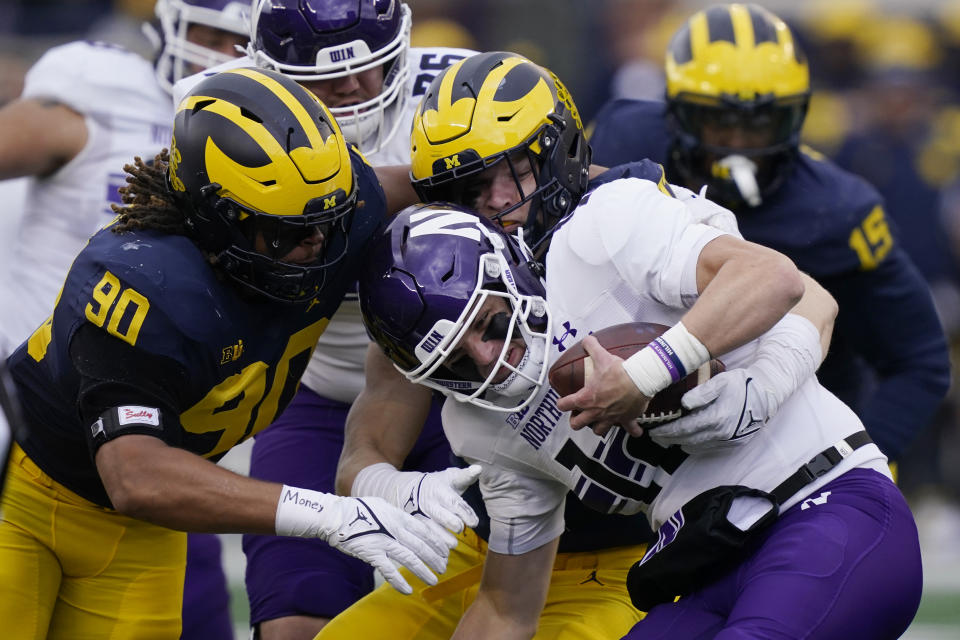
299,513
666,360
379,479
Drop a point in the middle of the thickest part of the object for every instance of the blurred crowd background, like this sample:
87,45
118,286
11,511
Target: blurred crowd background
886,105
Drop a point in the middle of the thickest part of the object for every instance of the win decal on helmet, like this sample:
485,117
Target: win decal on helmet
427,278
181,53
262,167
499,107
738,86
330,39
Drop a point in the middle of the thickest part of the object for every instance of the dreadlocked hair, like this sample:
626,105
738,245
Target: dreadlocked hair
148,205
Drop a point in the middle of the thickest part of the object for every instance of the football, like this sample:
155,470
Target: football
568,373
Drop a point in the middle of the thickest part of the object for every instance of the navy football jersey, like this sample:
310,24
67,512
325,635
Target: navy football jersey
888,359
144,320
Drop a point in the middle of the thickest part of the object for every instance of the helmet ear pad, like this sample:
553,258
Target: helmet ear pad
566,158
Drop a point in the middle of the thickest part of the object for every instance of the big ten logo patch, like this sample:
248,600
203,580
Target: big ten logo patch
232,353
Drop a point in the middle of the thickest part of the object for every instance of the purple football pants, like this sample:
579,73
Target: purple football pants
301,576
206,602
846,568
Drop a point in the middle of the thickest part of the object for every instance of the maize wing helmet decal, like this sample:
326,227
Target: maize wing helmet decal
263,166
470,106
280,168
738,50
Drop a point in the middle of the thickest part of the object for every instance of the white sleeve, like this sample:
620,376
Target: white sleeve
525,512
96,79
651,238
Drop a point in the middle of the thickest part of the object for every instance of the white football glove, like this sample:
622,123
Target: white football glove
433,495
734,405
371,529
729,407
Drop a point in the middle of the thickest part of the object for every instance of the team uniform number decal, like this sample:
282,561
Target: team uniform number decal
122,310
431,66
621,475
247,402
872,240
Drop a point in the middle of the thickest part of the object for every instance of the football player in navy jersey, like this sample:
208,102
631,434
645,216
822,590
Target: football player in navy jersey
356,57
181,330
87,108
737,92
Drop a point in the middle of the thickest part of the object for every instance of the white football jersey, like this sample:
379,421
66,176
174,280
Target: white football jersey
127,115
629,253
336,369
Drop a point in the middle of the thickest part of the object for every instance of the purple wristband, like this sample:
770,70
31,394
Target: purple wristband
669,358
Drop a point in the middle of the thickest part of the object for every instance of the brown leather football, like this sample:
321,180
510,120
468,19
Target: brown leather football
623,340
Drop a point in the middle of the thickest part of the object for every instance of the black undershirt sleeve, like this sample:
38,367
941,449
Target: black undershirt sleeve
113,373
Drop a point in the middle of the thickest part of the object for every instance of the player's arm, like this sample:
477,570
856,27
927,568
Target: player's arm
150,480
734,405
820,308
384,421
512,593
395,180
38,136
383,424
744,289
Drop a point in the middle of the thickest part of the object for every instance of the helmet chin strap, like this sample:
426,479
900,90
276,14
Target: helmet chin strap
743,172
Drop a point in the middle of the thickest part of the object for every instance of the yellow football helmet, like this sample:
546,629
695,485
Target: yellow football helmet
260,163
738,86
490,108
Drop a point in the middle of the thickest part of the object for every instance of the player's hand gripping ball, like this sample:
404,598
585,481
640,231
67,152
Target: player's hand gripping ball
568,373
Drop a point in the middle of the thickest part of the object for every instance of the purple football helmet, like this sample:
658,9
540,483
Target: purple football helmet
428,274
329,39
178,53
